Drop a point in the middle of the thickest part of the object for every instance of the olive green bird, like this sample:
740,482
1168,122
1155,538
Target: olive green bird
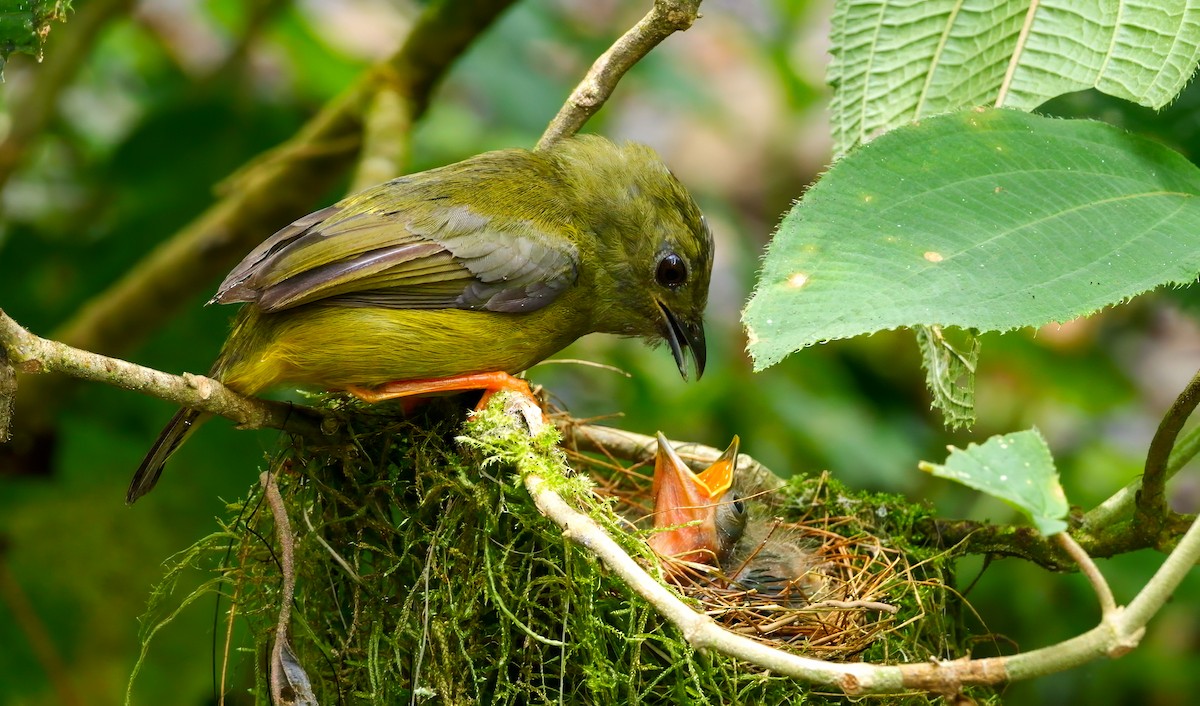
457,277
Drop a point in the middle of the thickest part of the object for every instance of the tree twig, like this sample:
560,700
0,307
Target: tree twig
663,20
289,682
1107,603
8,393
1151,499
1117,507
32,354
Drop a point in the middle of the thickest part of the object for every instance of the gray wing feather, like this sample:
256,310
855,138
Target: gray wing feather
431,257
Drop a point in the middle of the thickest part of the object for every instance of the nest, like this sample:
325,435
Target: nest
425,574
848,599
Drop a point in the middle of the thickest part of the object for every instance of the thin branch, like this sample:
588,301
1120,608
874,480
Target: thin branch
1091,571
32,354
289,682
1152,507
8,393
663,20
265,195
1118,506
68,49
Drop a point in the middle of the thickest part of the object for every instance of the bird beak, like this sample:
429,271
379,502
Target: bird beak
685,504
682,335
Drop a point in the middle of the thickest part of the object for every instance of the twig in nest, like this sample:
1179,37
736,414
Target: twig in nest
289,682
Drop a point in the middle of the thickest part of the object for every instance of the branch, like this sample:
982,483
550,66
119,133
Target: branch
1151,499
266,194
288,680
663,20
1118,506
8,393
698,629
1107,603
69,47
32,354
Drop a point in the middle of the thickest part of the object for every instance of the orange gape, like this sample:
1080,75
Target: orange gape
686,506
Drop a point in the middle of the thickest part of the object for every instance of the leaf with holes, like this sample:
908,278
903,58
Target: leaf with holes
1018,469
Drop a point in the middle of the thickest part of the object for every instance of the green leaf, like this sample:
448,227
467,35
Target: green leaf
987,219
24,25
894,62
1018,469
950,372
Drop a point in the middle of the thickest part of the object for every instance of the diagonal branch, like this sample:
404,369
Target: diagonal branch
32,354
663,20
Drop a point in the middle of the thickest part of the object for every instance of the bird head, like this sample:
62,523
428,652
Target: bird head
653,250
700,517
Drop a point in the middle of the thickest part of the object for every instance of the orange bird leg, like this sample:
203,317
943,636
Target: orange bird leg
490,383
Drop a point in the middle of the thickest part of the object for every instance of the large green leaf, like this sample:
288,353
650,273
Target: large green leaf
987,219
895,61
1018,469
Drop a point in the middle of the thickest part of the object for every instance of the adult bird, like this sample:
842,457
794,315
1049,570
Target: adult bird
705,518
458,277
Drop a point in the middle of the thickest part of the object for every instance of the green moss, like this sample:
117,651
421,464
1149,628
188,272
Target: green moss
448,586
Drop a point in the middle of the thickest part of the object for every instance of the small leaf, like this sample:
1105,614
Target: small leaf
1018,469
985,219
950,372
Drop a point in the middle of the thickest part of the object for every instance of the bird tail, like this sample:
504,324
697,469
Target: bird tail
169,439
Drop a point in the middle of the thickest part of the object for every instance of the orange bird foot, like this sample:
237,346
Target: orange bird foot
490,383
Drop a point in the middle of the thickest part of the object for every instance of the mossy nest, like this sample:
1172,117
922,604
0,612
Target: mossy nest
425,574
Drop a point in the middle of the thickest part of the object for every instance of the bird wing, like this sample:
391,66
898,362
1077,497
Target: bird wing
361,252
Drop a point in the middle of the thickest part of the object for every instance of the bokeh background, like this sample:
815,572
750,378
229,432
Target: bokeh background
163,108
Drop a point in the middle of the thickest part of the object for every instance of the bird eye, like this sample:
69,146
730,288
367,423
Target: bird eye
672,271
738,506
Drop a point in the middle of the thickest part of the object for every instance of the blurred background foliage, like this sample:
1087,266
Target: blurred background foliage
176,94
